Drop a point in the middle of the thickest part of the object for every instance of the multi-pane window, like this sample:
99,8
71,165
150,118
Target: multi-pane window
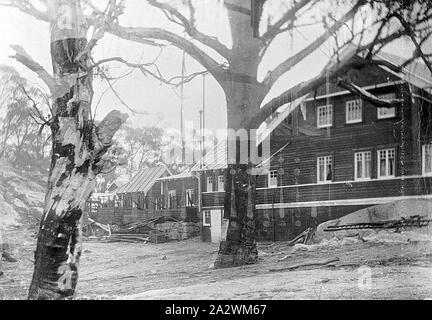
427,159
362,165
324,168
354,111
384,113
221,182
386,163
273,178
206,218
325,116
209,184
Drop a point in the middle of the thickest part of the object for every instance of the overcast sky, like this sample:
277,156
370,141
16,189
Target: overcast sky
162,103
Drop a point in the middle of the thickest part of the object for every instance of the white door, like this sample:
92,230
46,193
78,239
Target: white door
216,225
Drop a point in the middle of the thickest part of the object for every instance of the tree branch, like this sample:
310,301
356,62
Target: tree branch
332,71
158,76
289,16
191,29
411,34
292,61
26,7
108,127
56,87
142,35
367,96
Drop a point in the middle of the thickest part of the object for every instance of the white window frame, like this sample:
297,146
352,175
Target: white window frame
363,161
387,152
329,118
221,183
187,202
206,223
210,184
326,160
386,116
350,104
428,146
272,179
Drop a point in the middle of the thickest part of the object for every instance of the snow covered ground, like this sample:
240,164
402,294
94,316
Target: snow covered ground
182,270
374,265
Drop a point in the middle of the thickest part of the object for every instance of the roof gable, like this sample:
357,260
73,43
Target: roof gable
144,180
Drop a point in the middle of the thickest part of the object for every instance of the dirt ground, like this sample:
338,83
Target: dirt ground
182,270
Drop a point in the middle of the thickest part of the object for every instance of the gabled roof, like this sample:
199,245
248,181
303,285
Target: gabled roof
144,180
215,159
416,73
182,175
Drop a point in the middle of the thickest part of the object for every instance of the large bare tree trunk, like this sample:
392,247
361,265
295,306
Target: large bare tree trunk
244,95
239,248
77,150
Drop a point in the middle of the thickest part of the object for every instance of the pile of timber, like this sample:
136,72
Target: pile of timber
304,238
178,230
403,223
94,229
141,227
157,230
127,237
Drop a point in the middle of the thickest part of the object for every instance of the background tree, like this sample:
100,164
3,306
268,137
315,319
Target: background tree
142,145
24,141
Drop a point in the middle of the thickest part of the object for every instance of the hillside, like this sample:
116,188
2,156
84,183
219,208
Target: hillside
21,197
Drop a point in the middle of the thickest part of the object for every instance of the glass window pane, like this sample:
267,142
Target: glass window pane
329,172
359,170
428,158
367,167
391,168
382,167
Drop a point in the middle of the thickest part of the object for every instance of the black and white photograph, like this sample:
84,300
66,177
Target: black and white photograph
238,151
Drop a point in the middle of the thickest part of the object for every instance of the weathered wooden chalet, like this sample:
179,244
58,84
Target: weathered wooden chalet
333,153
151,193
180,196
136,200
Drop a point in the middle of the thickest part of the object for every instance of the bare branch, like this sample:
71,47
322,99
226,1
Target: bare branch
292,61
411,34
332,71
367,96
108,127
28,8
289,16
142,35
190,28
143,68
118,96
56,86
